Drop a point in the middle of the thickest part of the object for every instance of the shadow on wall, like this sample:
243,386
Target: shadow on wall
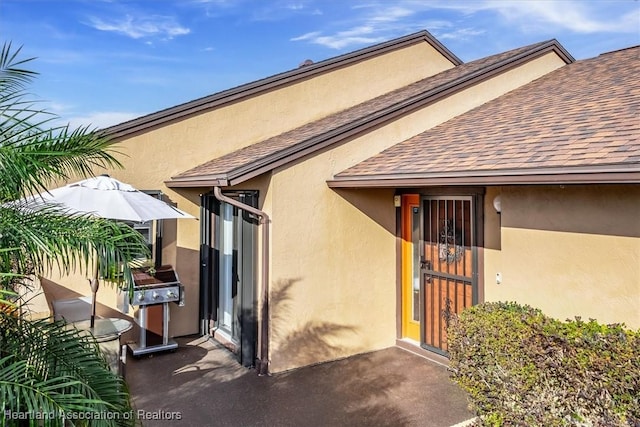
311,342
377,204
169,239
610,210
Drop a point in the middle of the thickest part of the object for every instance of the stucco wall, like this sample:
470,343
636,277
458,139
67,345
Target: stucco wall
151,158
212,134
332,251
333,264
333,269
568,250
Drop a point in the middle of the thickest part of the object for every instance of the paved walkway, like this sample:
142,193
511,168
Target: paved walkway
203,386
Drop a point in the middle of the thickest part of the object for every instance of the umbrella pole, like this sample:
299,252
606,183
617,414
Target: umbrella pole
94,290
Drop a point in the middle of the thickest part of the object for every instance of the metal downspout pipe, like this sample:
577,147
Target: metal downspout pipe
263,360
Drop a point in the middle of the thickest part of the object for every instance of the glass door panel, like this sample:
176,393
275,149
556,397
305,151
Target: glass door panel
411,276
225,320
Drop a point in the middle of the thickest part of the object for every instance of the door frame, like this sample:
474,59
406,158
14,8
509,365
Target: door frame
478,203
244,273
410,328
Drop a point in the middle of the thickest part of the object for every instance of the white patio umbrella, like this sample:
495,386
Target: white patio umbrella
106,197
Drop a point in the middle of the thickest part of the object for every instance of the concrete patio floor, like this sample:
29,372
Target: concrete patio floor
202,385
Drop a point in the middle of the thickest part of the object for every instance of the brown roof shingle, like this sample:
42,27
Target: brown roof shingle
580,117
257,158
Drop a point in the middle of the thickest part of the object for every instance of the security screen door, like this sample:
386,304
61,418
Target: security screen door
448,264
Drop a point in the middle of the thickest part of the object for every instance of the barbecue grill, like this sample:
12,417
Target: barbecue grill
155,287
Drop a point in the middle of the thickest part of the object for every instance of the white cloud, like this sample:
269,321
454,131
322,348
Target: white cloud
391,14
579,17
353,36
307,36
280,10
371,23
387,20
437,24
140,27
295,6
460,34
63,116
373,27
357,31
339,42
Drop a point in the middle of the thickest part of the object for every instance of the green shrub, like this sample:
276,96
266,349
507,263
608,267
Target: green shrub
521,367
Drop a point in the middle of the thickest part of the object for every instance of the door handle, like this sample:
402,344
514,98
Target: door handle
424,264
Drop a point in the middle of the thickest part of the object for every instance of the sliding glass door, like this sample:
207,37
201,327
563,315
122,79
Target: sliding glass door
228,273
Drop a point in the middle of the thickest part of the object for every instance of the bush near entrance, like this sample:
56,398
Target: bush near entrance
521,367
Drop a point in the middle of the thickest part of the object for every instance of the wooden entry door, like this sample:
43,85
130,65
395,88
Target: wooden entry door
448,265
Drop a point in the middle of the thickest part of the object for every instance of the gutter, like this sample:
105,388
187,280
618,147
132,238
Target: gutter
604,174
263,360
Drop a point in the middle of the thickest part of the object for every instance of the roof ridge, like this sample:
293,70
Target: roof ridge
619,50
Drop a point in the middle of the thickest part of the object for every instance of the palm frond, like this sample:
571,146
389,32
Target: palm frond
48,366
52,367
33,154
51,238
12,75
31,158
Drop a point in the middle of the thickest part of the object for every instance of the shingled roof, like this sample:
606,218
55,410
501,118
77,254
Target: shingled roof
579,123
266,155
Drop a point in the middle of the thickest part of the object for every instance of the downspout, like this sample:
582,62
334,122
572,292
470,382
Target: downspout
263,360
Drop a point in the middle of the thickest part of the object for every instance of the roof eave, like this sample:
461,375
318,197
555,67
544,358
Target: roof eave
609,175
196,181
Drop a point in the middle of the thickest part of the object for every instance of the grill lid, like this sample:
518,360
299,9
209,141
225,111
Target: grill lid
163,276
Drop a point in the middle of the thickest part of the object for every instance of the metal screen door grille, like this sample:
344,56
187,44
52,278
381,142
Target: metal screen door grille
447,265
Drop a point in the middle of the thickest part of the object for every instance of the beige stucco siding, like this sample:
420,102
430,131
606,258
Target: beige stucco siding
333,255
152,157
333,267
568,250
155,156
333,252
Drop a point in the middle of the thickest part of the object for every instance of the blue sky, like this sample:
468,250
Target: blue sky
106,61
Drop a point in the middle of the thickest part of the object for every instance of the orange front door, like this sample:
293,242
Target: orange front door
411,310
